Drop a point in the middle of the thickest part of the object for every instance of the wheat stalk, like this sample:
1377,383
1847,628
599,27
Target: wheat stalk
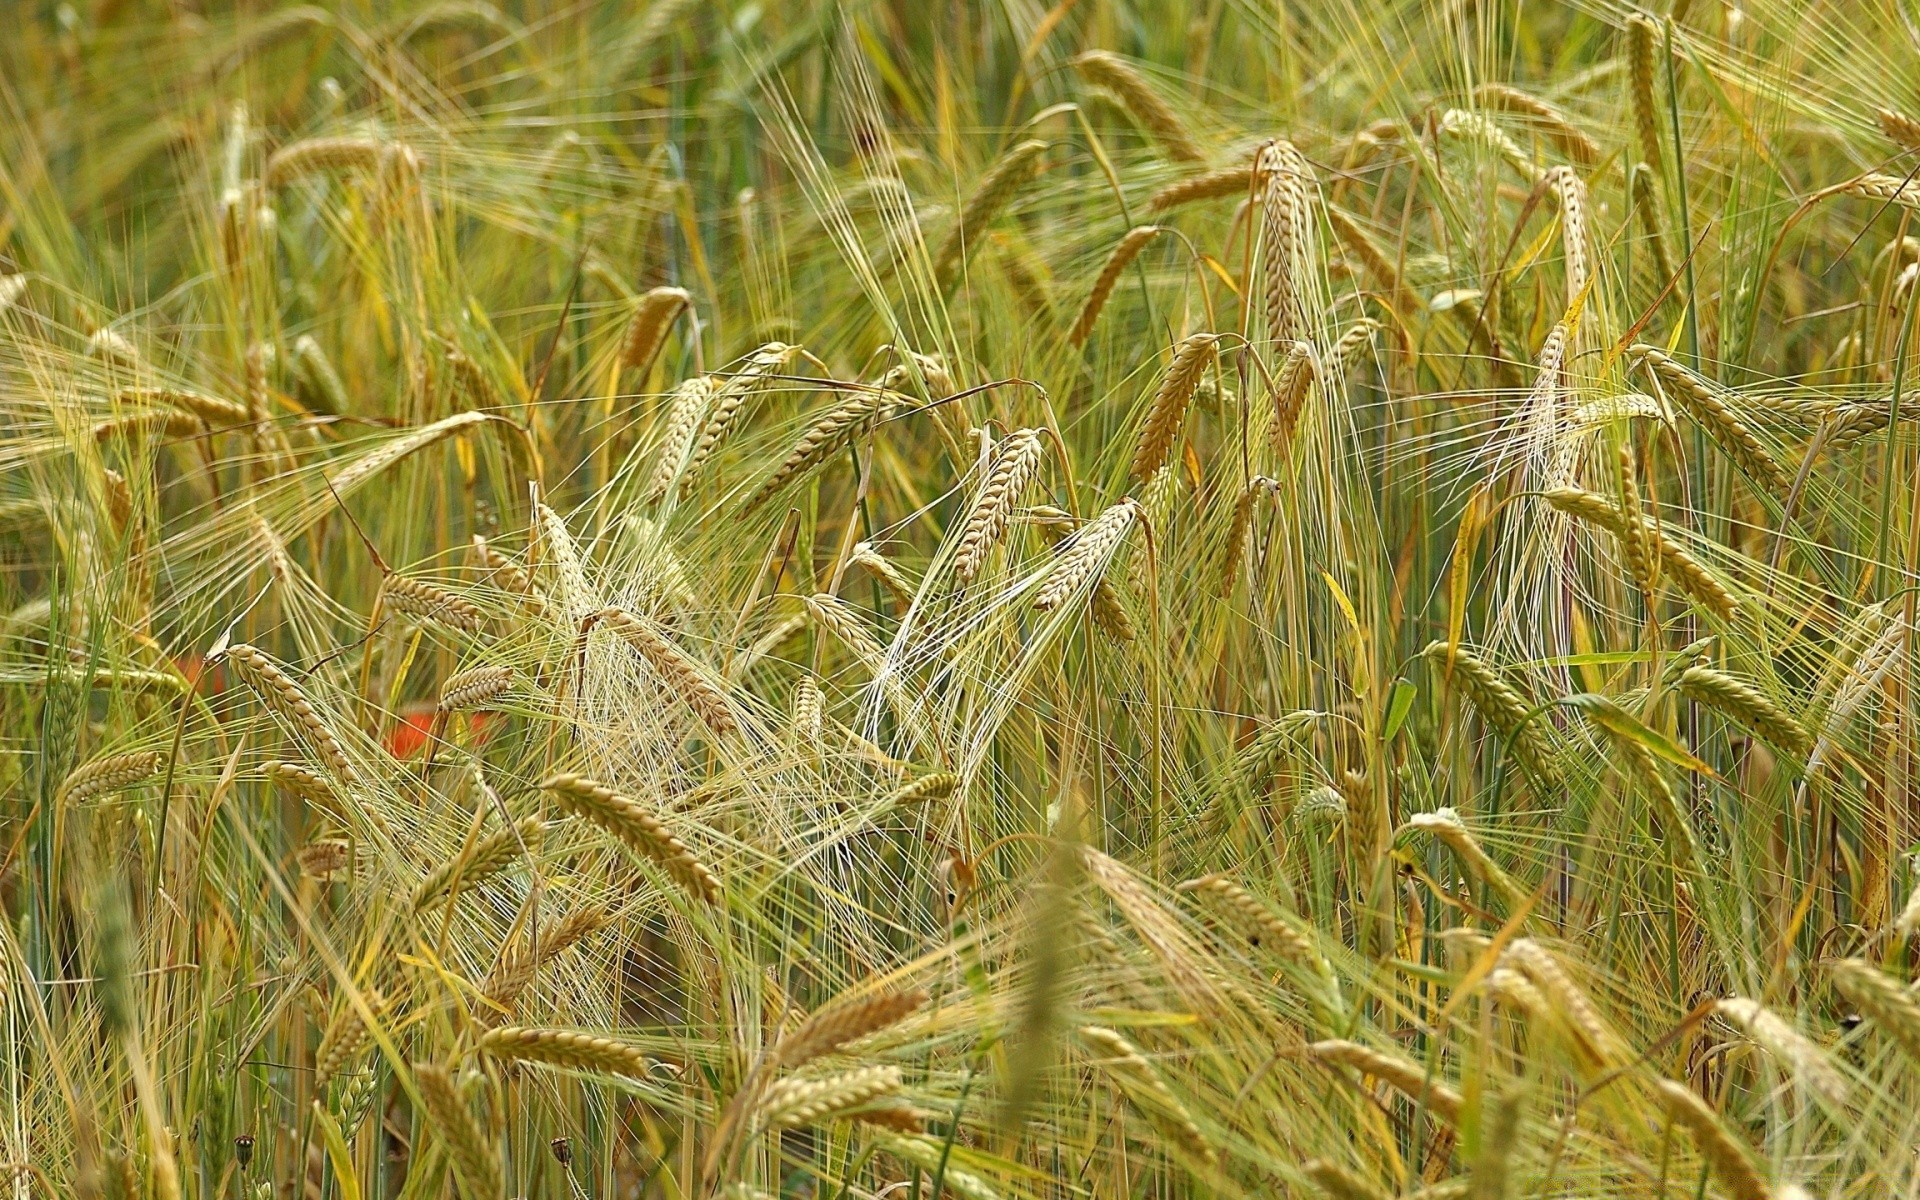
475,688
1298,371
1501,706
639,829
820,441
728,400
686,412
515,971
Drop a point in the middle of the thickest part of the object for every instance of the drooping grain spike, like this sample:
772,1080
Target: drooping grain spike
1191,358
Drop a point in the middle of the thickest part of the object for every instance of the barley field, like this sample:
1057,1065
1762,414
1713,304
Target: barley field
864,599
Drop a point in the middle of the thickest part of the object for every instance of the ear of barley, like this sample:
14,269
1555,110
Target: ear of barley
560,554
1122,1060
211,409
315,155
933,1156
481,861
1908,922
845,1021
475,1164
1234,548
807,712
1356,341
168,423
1477,127
1286,217
1567,999
474,688
502,571
1445,826
325,859
515,971
1503,708
1124,252
114,773
832,614
1208,185
794,1103
681,673
1109,615
1191,358
1887,189
1499,1132
1144,104
1083,559
1549,119
639,829
1295,380
282,696
1015,465
686,413
321,388
1002,181
1743,702
878,565
1338,1182
1704,403
1793,1050
1883,1000
1900,129
1515,991
1636,539
309,785
897,1115
925,790
375,461
1674,560
653,316
1730,1160
1360,244
727,402
822,439
565,1048
1571,192
1640,35
1403,1075
343,1038
418,598
1646,206
1262,927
